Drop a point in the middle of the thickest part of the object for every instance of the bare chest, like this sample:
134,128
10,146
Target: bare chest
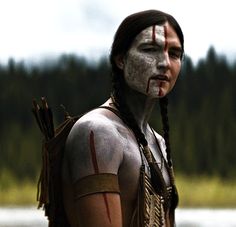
129,171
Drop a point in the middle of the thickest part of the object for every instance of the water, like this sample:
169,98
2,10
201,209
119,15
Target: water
31,217
206,217
22,217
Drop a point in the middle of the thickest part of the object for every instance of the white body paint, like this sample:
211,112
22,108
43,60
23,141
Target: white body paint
146,64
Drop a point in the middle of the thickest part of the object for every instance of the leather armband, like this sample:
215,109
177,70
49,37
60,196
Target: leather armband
96,183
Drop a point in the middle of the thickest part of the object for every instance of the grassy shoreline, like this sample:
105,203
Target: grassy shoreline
194,192
23,194
203,191
17,192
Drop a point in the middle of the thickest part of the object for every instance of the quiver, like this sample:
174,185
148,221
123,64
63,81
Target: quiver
49,191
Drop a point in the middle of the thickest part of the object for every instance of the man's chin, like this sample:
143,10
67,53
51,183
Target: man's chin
154,96
157,94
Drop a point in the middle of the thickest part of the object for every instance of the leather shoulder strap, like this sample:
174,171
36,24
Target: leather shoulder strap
116,112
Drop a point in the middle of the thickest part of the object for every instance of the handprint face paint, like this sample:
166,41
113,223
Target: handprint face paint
152,64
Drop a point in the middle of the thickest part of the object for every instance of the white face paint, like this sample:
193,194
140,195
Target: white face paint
152,64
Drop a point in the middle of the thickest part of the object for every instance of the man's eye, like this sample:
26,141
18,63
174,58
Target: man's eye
175,54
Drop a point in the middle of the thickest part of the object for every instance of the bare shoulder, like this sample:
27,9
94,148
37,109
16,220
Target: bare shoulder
95,144
103,126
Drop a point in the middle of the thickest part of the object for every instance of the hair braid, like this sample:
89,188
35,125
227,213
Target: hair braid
165,122
126,114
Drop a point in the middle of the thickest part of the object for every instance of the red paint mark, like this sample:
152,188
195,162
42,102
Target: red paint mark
160,91
96,170
107,207
165,34
93,153
148,85
154,33
149,80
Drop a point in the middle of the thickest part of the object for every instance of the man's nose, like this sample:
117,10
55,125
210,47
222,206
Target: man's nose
163,60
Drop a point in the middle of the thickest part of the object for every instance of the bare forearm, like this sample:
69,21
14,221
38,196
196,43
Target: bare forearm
103,209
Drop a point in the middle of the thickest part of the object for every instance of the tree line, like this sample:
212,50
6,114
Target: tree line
202,112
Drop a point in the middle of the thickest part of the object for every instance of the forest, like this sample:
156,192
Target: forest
202,110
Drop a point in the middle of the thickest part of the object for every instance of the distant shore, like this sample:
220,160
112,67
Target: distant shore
199,191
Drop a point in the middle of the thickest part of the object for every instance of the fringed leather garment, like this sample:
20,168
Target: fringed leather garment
156,202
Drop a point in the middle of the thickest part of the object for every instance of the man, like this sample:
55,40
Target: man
117,171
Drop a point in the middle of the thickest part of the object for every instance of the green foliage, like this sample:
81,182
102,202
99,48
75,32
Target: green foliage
203,118
202,112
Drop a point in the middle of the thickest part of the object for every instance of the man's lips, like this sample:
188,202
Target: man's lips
159,77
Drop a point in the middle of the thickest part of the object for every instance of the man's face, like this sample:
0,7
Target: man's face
153,62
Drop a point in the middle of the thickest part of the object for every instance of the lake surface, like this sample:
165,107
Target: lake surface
31,217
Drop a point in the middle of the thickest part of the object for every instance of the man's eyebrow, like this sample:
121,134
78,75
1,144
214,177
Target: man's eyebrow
176,48
149,42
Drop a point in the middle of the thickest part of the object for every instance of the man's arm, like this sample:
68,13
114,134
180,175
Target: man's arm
94,151
101,209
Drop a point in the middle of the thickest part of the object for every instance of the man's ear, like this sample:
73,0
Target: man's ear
119,60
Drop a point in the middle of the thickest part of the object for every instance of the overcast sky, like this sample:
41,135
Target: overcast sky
33,29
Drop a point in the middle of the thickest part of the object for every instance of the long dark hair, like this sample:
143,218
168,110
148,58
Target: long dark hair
125,34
